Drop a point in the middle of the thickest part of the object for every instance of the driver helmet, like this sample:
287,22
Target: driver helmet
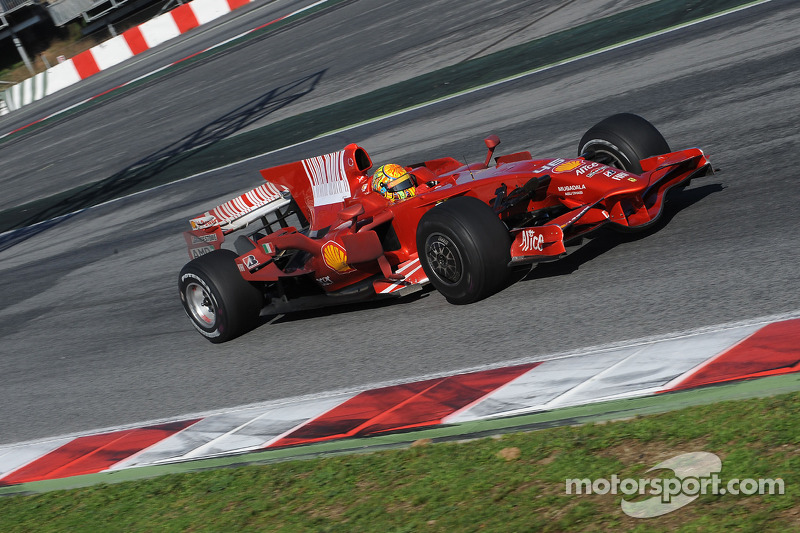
394,182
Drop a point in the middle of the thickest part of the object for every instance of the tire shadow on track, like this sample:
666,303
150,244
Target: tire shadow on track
154,169
606,238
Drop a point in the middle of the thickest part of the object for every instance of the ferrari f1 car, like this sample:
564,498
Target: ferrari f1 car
317,232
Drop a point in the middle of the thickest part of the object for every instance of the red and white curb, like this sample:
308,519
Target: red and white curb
635,369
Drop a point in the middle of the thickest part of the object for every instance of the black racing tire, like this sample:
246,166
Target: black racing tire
621,141
219,302
464,249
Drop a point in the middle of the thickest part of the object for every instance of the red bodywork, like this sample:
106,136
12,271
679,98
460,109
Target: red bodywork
355,235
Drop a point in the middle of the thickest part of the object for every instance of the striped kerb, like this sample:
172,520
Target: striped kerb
411,405
94,453
773,349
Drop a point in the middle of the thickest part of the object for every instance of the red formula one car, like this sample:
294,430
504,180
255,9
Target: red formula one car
322,231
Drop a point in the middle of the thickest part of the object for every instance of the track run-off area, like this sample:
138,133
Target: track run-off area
92,333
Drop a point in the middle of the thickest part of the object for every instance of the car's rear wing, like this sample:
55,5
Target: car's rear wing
242,210
209,229
318,186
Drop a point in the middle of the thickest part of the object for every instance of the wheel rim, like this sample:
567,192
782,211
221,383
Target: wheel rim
607,158
444,259
201,305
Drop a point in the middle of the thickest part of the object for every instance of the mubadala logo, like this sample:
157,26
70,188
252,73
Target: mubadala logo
569,190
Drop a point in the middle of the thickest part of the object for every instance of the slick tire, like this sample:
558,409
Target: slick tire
621,141
220,303
464,249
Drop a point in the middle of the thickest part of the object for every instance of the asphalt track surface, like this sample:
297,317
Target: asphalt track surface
91,330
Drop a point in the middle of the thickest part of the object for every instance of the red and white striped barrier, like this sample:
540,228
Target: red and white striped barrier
633,370
116,50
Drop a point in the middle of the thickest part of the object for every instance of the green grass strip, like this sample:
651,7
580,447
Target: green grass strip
511,482
216,145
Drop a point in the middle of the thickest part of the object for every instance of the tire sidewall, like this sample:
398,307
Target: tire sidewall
617,147
214,332
450,228
482,243
236,302
628,137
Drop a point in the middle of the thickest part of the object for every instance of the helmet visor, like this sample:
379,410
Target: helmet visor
406,181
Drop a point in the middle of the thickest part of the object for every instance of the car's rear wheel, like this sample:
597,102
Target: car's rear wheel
219,302
464,249
621,141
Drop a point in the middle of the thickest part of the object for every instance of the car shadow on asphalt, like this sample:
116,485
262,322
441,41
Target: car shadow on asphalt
603,241
344,308
606,239
192,153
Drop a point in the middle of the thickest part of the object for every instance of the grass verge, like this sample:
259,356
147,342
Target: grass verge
514,482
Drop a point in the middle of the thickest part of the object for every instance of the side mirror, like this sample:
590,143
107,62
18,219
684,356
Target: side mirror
491,143
351,213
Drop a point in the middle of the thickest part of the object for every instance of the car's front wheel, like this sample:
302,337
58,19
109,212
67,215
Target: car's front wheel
464,249
220,303
621,141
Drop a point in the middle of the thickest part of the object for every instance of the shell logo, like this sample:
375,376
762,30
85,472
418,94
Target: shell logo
335,257
567,166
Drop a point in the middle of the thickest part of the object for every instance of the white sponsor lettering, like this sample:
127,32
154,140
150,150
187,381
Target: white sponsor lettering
532,240
620,176
586,168
548,166
593,172
569,190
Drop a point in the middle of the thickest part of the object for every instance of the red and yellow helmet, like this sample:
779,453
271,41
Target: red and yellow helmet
394,182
